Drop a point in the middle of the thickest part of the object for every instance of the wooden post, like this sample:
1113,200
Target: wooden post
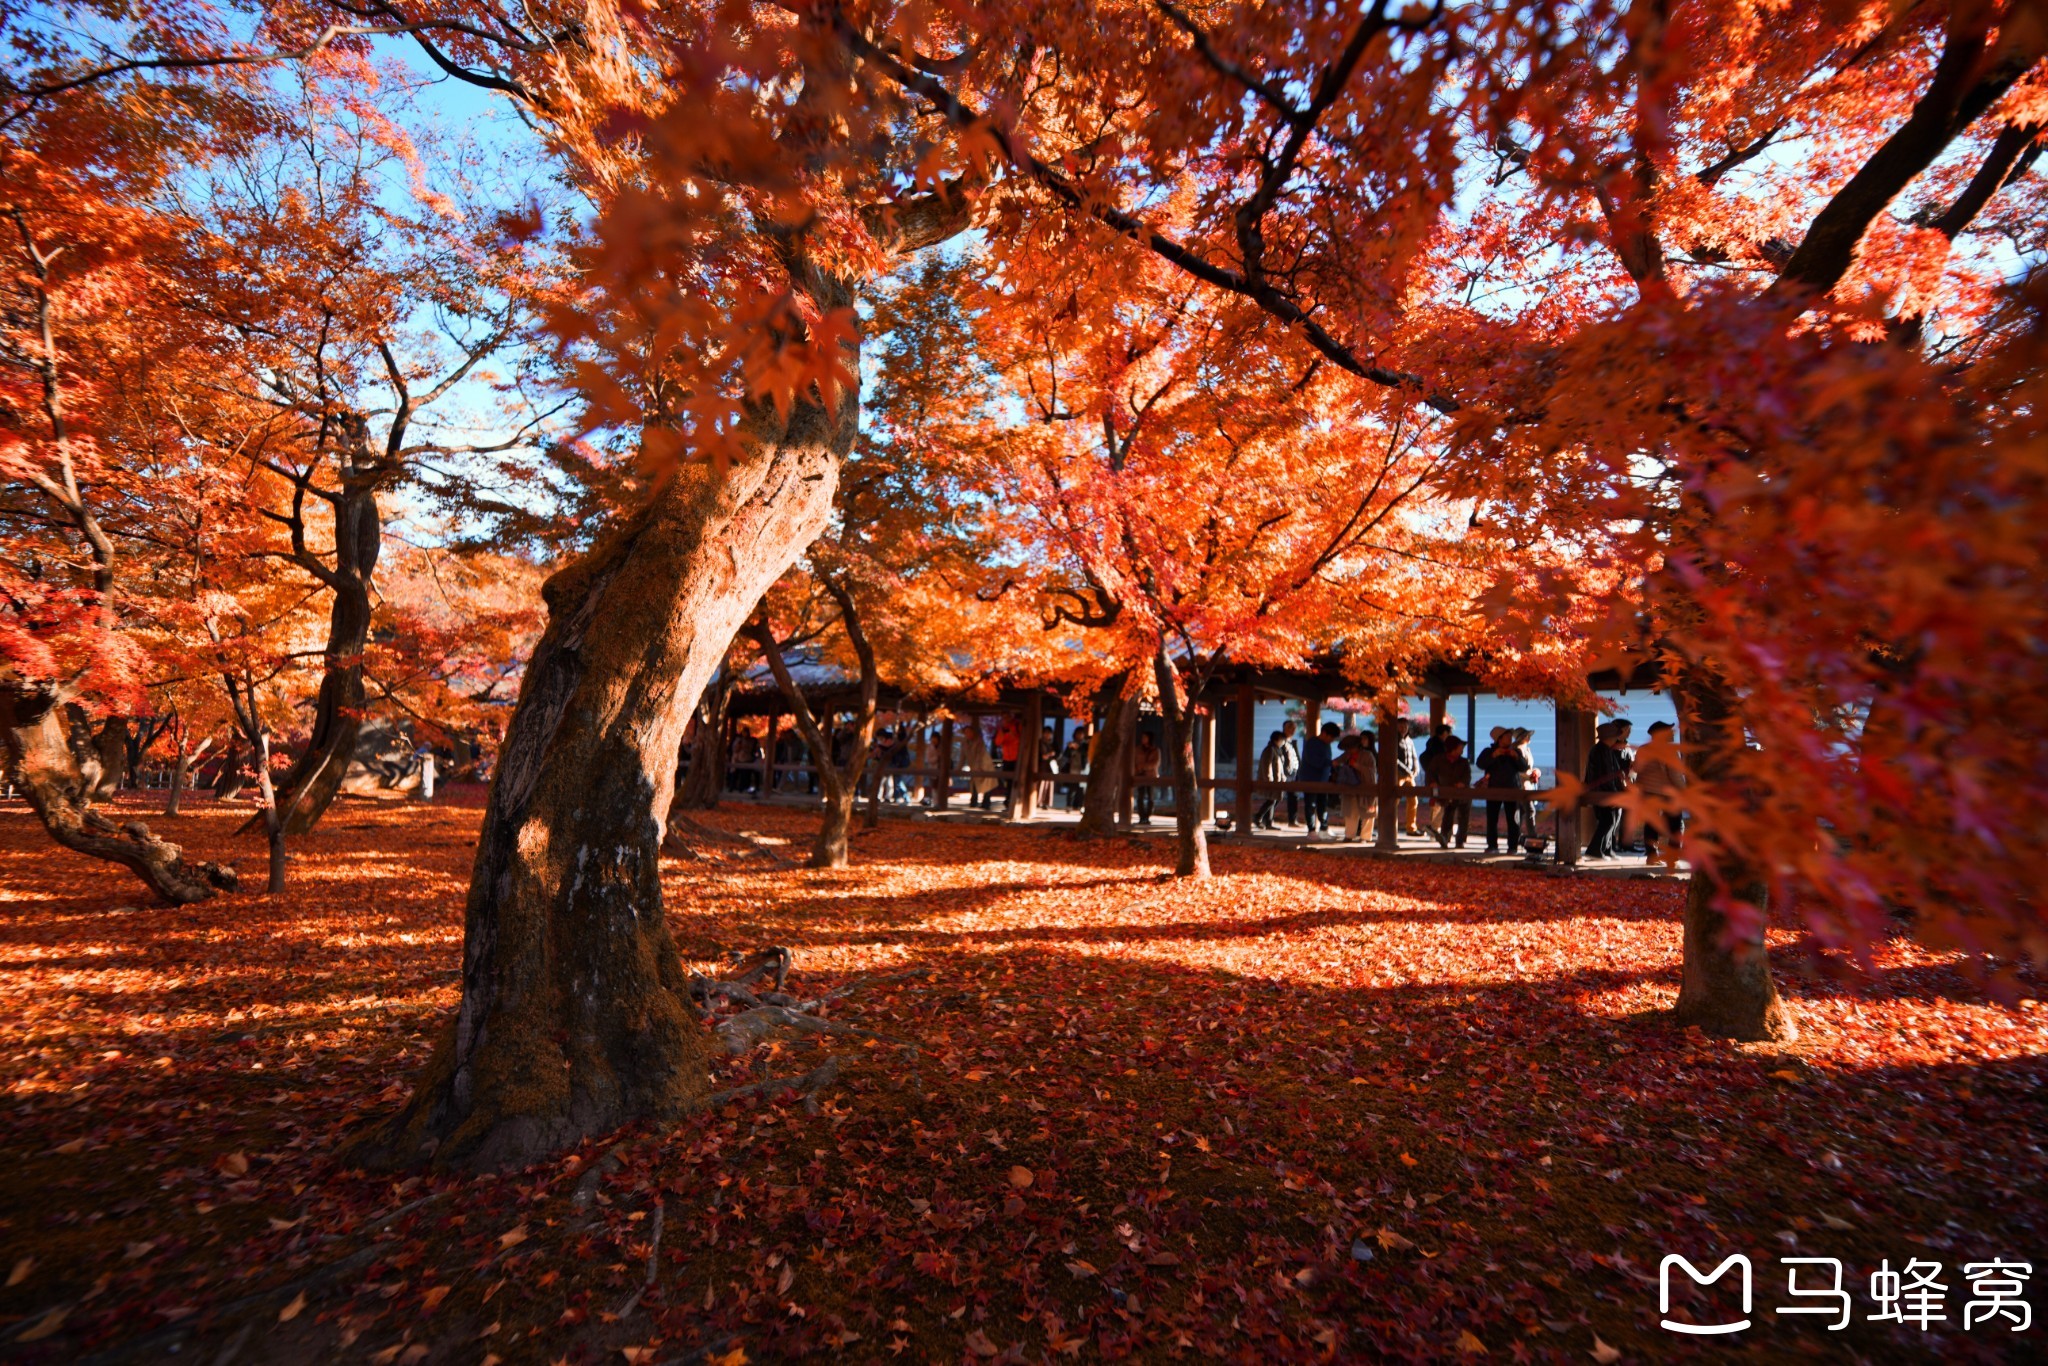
1127,803
1024,791
1439,707
1571,759
1247,759
944,792
768,756
1386,821
1205,764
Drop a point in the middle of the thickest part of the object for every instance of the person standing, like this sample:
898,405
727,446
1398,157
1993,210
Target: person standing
1354,771
1074,759
1453,772
1606,776
1316,753
1269,772
1145,773
1290,771
1661,776
974,757
1049,756
1504,767
1009,741
1432,758
1408,773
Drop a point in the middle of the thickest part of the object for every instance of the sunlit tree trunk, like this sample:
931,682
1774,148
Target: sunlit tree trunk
178,768
1191,845
1109,768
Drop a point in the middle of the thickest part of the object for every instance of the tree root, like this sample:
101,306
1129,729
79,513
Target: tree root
683,829
653,1264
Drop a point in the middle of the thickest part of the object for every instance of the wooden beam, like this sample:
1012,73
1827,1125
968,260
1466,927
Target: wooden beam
1205,764
945,779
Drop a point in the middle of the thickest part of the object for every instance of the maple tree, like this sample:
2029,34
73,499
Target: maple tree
1573,245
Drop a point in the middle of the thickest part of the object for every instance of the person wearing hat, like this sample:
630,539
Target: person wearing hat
1607,776
1505,768
1661,776
1354,771
1523,738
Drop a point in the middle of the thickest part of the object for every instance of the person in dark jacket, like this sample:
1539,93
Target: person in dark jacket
1316,753
1454,770
1504,767
1433,755
1606,775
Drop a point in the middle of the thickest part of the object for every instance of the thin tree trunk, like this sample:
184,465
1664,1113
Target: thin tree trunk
1191,845
314,780
42,761
1109,771
1726,987
841,784
178,773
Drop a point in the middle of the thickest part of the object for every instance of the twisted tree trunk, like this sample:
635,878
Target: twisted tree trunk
575,1015
43,762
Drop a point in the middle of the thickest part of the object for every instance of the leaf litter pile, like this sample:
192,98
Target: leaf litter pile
1009,1097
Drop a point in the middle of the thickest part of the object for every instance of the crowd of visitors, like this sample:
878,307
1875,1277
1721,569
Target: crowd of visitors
989,750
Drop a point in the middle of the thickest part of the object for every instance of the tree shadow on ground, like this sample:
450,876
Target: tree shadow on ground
1214,1131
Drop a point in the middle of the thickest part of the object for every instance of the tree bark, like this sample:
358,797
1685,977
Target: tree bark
575,1014
43,762
1191,845
1726,987
1109,769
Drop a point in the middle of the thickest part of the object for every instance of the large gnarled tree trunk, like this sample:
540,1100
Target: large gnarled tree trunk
44,763
575,1016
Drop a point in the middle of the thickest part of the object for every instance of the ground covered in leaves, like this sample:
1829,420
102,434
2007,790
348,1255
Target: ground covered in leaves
1317,1108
